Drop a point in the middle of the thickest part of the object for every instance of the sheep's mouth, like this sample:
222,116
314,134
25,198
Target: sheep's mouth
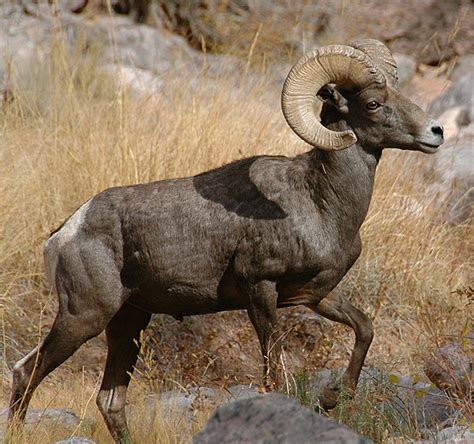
428,147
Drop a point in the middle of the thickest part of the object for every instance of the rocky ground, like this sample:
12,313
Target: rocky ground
244,415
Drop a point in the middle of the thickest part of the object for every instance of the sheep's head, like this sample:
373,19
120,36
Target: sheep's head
360,83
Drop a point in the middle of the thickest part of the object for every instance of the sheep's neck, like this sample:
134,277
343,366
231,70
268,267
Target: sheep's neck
341,185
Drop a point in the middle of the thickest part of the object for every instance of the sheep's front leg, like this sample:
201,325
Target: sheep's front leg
336,308
261,308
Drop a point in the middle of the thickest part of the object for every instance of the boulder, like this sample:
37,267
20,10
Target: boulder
459,94
139,82
406,67
19,38
24,38
144,47
52,417
453,120
143,58
424,28
452,176
451,368
412,403
273,418
431,31
464,65
184,405
450,435
424,407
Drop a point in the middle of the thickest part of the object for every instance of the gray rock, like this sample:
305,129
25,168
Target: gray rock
406,67
75,440
143,58
273,418
452,176
450,435
459,94
9,9
139,82
238,392
58,419
183,405
411,402
451,369
52,417
464,65
369,377
425,406
27,38
453,120
143,47
19,37
419,405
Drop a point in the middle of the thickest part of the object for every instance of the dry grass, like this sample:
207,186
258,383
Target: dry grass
71,132
78,395
411,267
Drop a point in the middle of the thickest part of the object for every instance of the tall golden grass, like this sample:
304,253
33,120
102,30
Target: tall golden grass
71,131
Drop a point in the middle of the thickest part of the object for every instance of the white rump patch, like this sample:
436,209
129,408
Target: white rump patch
69,229
66,234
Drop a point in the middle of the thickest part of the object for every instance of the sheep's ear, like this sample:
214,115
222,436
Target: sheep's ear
330,95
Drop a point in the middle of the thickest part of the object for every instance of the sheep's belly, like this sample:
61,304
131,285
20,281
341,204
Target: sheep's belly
183,299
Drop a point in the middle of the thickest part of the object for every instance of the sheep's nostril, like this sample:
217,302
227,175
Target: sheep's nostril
437,130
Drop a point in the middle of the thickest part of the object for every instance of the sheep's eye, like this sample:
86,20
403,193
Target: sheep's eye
372,105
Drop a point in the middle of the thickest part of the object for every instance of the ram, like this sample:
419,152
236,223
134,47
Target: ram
257,234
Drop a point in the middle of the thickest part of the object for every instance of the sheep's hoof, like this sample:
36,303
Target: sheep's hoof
329,397
332,394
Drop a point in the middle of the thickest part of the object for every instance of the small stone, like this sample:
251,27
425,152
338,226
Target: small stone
75,6
76,440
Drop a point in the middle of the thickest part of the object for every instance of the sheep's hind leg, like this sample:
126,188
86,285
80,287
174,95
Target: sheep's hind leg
263,315
123,333
90,293
67,334
336,308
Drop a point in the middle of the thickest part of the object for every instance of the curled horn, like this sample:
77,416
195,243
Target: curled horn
343,65
381,56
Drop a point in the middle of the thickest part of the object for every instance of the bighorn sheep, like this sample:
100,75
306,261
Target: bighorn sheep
257,234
